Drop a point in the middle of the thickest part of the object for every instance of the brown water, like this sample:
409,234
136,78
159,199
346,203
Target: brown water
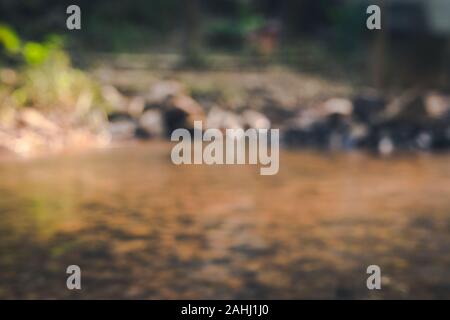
140,227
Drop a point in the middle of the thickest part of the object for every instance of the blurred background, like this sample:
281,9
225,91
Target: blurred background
85,170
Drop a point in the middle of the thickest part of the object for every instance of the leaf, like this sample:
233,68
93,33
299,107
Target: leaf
9,39
35,53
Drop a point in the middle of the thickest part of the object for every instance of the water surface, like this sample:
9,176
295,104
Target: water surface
140,227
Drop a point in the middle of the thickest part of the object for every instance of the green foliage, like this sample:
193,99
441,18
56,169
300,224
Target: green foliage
9,40
51,82
35,53
46,79
31,52
229,33
346,24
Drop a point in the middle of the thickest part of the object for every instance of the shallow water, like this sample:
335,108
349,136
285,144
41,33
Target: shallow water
140,227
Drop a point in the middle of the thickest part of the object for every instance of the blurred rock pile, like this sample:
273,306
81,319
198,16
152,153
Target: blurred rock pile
414,120
50,107
29,132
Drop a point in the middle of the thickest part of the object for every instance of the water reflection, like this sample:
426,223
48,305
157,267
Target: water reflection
139,227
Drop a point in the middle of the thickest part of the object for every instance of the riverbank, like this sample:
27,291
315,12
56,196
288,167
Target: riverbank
311,113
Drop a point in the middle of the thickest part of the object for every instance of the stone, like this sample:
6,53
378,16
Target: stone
255,119
152,122
181,111
163,90
117,101
424,140
121,126
136,106
117,116
338,106
187,104
8,76
386,146
367,105
437,105
221,119
407,108
33,119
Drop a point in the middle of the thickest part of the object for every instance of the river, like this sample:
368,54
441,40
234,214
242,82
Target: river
140,227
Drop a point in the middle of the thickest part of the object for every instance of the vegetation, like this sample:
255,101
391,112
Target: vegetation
45,103
45,78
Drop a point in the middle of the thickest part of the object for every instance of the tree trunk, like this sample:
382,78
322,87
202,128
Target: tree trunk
191,41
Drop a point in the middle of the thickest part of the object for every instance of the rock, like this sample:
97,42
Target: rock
337,121
33,119
136,106
7,117
386,146
152,124
8,76
437,105
408,108
441,133
222,119
325,125
181,112
442,139
338,106
122,129
424,140
357,135
143,134
117,116
114,98
305,130
188,105
337,128
405,123
367,105
402,134
411,121
26,142
277,114
121,126
306,118
174,119
256,120
163,90
315,136
33,132
314,128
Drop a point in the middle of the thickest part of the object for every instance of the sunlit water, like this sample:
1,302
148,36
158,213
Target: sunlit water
140,227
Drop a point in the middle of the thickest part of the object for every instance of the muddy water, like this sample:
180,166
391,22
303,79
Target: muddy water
140,227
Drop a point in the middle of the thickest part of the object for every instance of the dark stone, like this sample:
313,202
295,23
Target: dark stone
122,129
141,133
119,116
332,132
174,119
367,106
277,114
441,133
